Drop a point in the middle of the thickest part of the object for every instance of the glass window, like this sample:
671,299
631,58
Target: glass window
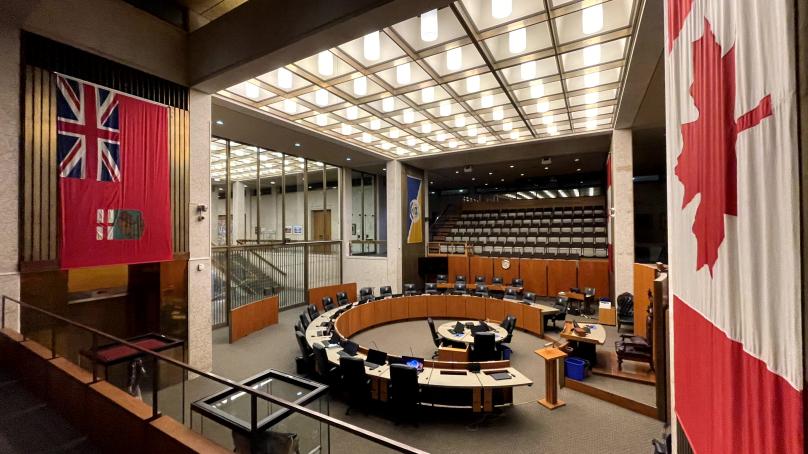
243,160
218,192
368,214
332,199
294,205
271,207
319,217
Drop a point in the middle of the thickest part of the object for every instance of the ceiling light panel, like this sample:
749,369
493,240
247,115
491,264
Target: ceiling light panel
422,86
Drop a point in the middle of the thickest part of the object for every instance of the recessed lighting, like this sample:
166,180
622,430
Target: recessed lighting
271,182
429,26
457,171
219,122
297,144
546,168
502,179
371,46
577,170
486,184
577,159
521,174
511,166
348,158
490,173
473,179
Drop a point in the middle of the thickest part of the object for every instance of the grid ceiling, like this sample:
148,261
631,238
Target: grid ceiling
539,69
244,164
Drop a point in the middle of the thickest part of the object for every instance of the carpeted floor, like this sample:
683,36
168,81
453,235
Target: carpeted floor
584,423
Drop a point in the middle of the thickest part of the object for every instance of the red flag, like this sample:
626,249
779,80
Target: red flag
112,153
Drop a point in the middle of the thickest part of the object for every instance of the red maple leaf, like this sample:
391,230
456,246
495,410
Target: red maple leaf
707,164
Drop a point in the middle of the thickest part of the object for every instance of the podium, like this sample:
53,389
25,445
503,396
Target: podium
551,357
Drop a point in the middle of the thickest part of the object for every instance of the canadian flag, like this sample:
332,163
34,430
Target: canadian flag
733,216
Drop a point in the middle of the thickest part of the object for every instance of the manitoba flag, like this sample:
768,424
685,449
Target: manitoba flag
112,158
734,225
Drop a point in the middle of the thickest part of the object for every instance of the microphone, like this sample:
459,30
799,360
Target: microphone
411,353
374,344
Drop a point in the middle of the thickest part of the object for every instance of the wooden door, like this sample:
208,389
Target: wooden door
321,225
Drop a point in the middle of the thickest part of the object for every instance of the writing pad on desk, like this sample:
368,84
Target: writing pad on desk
499,375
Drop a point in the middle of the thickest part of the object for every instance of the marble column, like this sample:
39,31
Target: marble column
395,226
622,210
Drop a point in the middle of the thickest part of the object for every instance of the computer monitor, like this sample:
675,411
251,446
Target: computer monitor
335,339
459,328
417,363
350,347
479,328
376,357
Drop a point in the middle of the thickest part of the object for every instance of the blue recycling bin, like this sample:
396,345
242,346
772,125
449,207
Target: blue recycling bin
575,368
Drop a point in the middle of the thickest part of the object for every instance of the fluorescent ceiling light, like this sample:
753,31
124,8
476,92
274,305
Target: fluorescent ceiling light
284,78
387,145
360,86
321,97
440,137
591,98
325,63
321,119
375,124
471,130
517,40
592,19
552,129
514,134
473,83
352,112
428,94
367,138
549,194
459,121
429,26
591,113
536,89
487,101
289,106
388,104
591,191
528,70
372,46
543,106
500,9
592,55
507,126
591,124
426,127
424,147
403,74
547,119
394,133
454,59
346,129
251,90
445,108
408,116
562,193
591,79
452,143
411,141
481,139
498,114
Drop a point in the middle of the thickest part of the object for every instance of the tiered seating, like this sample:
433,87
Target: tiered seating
535,232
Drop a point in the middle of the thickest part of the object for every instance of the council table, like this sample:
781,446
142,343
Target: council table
584,346
467,337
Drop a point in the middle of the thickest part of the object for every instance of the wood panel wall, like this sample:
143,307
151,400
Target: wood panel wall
247,319
459,264
594,273
534,272
644,276
481,266
509,274
39,216
316,294
561,275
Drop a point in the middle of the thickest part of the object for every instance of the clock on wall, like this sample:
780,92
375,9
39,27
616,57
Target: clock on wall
506,264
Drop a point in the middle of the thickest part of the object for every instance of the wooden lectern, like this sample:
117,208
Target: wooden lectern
551,356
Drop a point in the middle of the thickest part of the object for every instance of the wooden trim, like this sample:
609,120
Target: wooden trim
620,401
253,317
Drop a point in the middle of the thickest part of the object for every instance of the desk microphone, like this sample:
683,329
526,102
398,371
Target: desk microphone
374,344
411,353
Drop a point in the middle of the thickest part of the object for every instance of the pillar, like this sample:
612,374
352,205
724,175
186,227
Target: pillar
395,223
622,211
200,334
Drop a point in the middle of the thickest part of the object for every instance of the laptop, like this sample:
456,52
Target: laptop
417,363
375,359
349,348
479,328
334,341
459,328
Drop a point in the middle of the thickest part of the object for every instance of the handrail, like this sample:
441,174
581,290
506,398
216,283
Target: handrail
270,264
342,425
263,245
445,209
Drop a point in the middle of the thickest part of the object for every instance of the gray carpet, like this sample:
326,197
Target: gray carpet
585,422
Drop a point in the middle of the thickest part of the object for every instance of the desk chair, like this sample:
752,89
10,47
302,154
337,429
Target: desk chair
497,280
625,310
482,290
637,348
328,303
435,337
304,320
510,294
342,299
484,347
479,279
441,279
517,282
306,359
312,311
299,328
460,278
404,393
324,369
509,324
529,297
354,381
431,288
561,304
365,294
459,288
385,291
410,290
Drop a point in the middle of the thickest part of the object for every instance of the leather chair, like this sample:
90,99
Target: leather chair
404,393
561,304
342,299
385,292
479,279
529,297
637,348
460,278
509,324
306,353
299,328
459,288
324,369
431,288
365,294
435,337
517,282
510,294
497,280
354,381
441,279
312,311
410,290
484,347
304,320
328,303
482,290
625,310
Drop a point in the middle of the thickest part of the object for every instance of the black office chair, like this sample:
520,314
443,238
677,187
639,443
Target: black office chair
404,393
460,278
299,328
459,288
365,294
625,310
410,290
496,280
479,279
484,347
313,312
561,304
342,299
306,359
354,381
509,324
304,320
529,297
327,372
328,303
385,291
510,294
431,288
435,337
482,290
518,282
441,279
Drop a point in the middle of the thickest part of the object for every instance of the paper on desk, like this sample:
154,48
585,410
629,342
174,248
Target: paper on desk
605,305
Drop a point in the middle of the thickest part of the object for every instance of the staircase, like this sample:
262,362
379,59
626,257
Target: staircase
29,425
444,224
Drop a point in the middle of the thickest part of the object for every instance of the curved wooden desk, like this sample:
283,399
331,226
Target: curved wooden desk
444,383
445,331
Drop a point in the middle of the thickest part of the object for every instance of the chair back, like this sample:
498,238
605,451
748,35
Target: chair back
409,289
441,279
497,280
328,303
510,293
365,294
353,370
529,297
403,384
625,305
342,298
435,336
459,288
518,282
482,290
304,320
589,291
649,327
321,364
313,312
299,328
305,349
479,279
431,288
485,346
460,278
385,291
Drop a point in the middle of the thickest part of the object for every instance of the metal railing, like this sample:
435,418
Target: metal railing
246,273
369,248
163,361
